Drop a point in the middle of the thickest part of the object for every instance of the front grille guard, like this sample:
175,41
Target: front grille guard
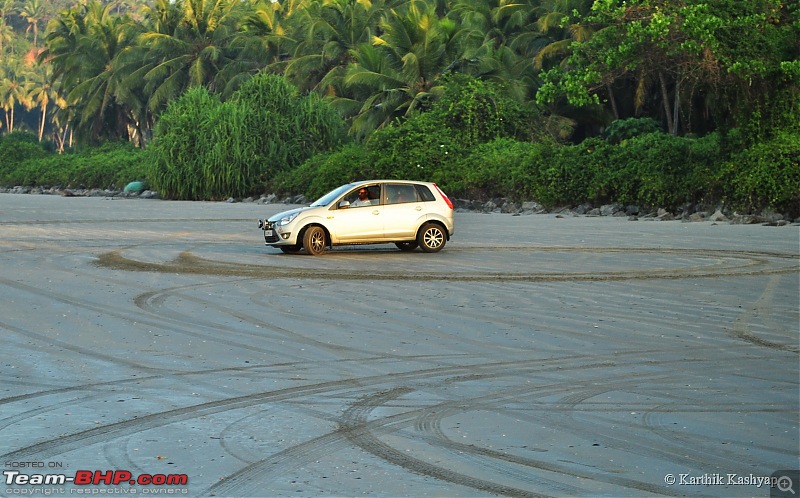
268,227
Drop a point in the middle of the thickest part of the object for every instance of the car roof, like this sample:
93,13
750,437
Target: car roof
363,182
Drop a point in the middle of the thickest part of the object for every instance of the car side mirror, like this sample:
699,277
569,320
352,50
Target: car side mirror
344,204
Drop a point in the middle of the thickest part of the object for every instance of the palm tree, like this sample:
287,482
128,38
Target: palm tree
34,11
399,73
5,6
41,94
82,45
191,52
14,90
553,31
62,56
487,30
490,21
548,44
6,33
270,28
130,8
62,132
330,31
131,64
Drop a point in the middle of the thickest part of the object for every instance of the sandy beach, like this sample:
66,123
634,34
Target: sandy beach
536,355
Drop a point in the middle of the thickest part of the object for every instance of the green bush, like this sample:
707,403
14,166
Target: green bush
214,160
583,173
650,170
286,128
499,168
765,175
414,150
429,145
15,148
113,165
482,111
207,149
706,154
39,172
110,166
623,129
326,171
180,146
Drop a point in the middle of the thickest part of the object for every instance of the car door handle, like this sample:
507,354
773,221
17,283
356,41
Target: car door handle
419,208
376,212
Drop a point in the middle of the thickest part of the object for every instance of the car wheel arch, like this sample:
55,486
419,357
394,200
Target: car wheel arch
302,233
434,221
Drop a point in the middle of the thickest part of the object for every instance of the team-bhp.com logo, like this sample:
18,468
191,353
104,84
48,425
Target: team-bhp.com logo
95,477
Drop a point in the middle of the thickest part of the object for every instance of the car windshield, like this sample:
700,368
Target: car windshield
331,196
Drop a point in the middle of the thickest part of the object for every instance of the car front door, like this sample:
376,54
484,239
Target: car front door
359,221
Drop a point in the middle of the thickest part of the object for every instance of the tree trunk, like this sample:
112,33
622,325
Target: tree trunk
58,142
41,124
665,101
612,101
66,132
675,115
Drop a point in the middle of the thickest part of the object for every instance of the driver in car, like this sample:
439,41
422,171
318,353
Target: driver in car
363,198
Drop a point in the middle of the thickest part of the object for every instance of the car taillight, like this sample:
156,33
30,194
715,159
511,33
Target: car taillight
444,196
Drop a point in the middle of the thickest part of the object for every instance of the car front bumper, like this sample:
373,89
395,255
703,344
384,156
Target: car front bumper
275,235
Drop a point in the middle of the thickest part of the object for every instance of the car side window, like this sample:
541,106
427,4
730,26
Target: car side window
364,196
399,194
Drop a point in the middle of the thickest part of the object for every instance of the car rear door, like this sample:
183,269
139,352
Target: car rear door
403,211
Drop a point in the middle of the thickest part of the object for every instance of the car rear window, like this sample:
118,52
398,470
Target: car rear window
425,193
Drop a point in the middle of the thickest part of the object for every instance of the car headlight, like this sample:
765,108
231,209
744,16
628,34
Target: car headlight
286,219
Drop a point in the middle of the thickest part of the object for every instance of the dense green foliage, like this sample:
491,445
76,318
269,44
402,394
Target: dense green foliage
767,174
17,147
209,149
109,70
325,171
24,161
651,102
428,144
683,62
650,170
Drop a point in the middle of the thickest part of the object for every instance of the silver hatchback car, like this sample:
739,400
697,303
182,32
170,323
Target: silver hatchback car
408,214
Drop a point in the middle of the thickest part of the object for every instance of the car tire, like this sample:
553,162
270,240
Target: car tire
291,249
431,237
407,246
314,240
